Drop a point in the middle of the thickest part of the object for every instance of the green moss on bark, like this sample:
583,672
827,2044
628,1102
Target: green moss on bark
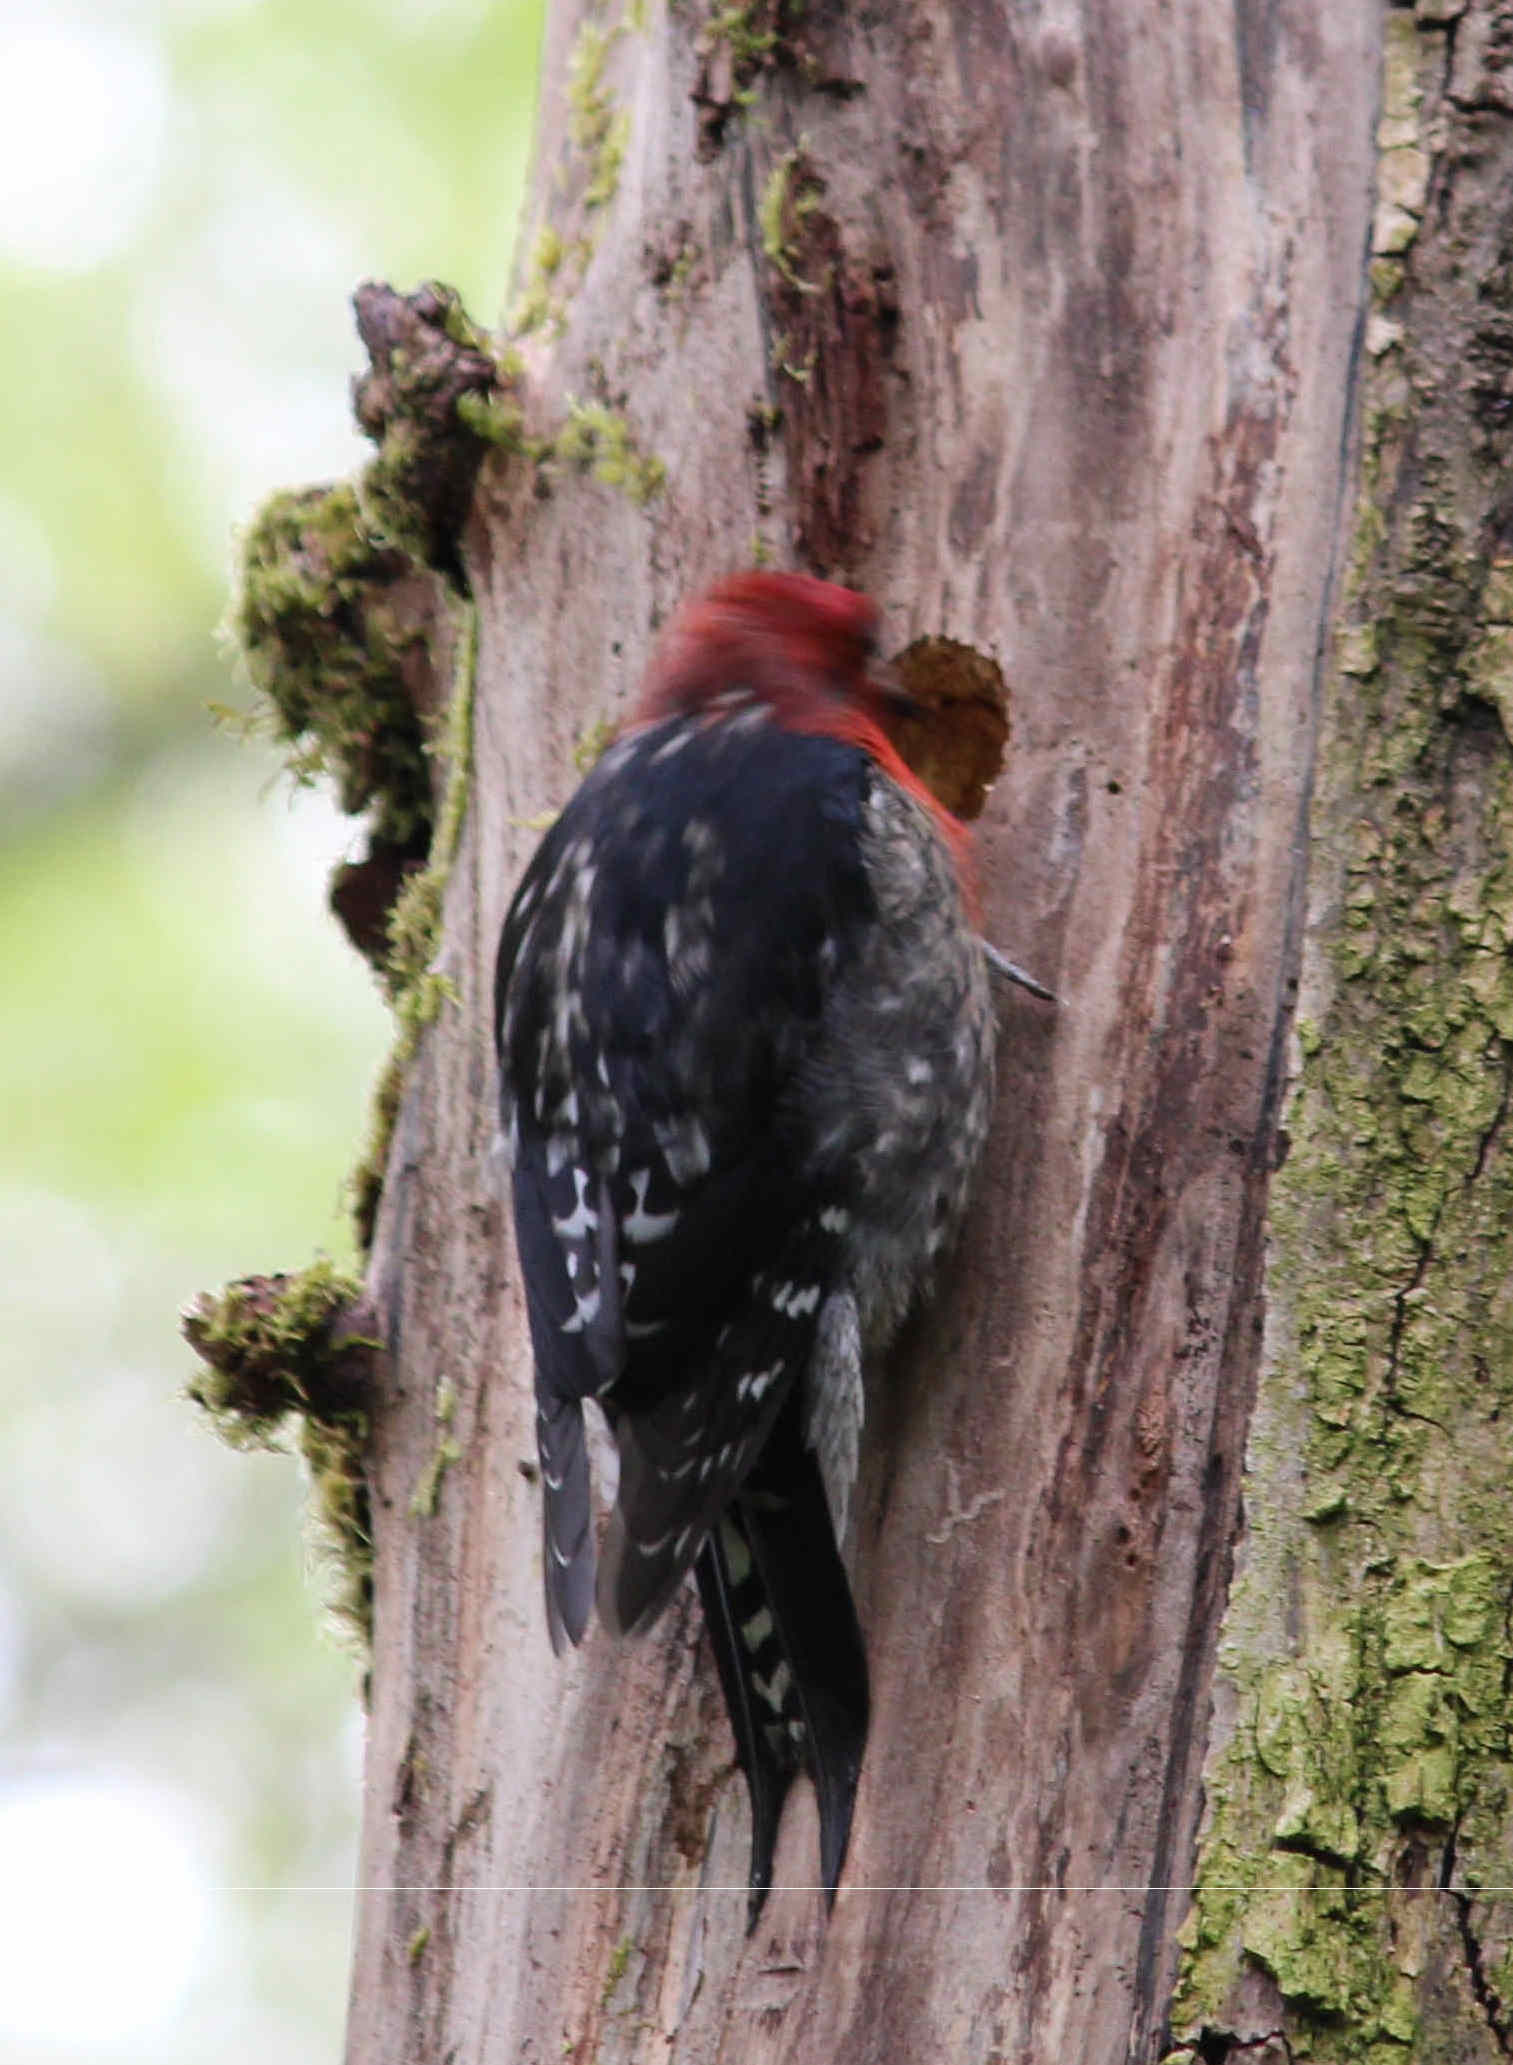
598,136
416,988
435,396
448,1450
740,47
1360,1803
348,595
599,130
327,655
288,1361
792,192
594,439
324,652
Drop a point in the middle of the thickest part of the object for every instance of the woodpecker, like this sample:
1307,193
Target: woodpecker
746,1063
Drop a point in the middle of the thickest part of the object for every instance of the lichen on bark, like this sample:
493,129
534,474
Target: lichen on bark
596,135
1359,1799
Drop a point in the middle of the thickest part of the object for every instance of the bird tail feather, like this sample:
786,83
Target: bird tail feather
789,1650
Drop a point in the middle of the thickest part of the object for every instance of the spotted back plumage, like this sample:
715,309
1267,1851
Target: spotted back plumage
662,983
746,1064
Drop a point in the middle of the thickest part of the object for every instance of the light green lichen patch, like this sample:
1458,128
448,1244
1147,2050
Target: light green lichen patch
598,128
1403,162
553,273
591,106
596,440
619,1962
448,1450
598,136
739,43
1367,1654
792,193
592,743
749,32
324,650
494,420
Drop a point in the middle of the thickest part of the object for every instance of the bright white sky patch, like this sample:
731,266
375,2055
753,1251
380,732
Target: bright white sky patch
103,1903
83,124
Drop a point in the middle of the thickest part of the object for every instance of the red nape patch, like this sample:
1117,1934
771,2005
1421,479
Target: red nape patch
806,649
854,727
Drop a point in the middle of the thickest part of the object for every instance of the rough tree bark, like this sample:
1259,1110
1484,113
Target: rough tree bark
1046,326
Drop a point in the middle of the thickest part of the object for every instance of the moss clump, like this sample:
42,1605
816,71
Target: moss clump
793,192
548,253
345,591
604,177
324,653
537,305
293,1356
273,1345
597,441
494,420
537,309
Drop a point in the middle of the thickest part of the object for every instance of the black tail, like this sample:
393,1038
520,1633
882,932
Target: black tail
791,1659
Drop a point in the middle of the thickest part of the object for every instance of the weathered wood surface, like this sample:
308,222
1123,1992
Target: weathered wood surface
1076,390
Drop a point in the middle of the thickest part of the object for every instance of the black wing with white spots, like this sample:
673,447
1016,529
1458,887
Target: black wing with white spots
661,985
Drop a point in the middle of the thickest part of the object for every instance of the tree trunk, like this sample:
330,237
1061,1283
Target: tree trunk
1043,325
1359,1836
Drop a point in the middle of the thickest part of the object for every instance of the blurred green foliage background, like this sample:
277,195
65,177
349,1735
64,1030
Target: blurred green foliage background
189,189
